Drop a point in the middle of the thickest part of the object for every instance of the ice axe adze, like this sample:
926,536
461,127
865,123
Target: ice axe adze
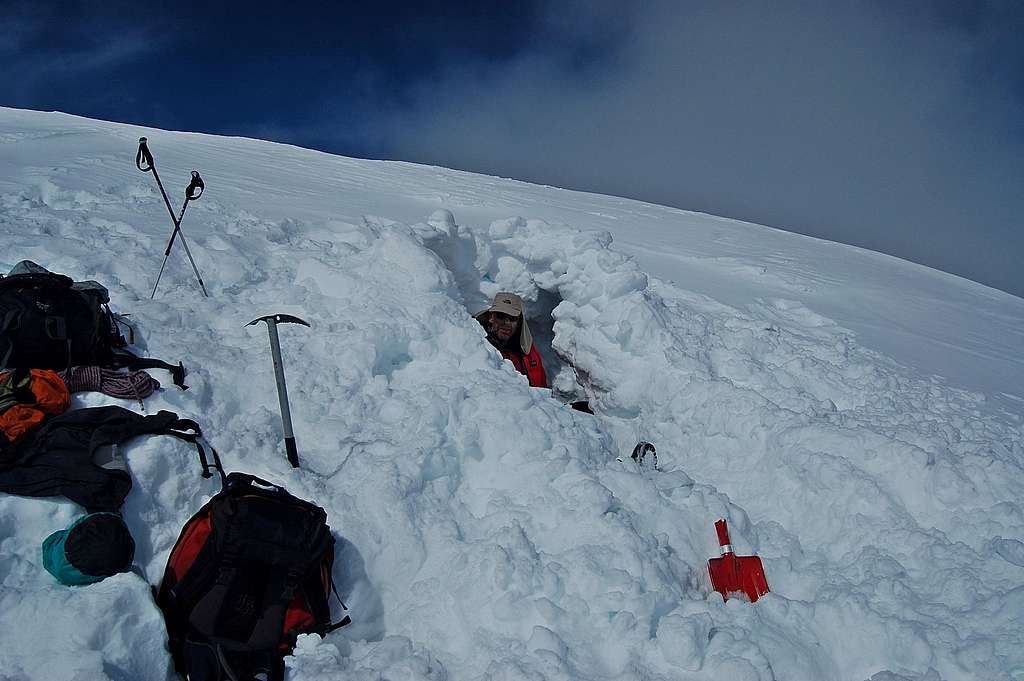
196,187
731,573
282,391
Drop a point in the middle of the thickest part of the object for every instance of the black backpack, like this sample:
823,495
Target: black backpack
251,570
49,322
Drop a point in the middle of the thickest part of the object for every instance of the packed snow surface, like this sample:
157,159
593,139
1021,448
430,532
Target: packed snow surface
856,418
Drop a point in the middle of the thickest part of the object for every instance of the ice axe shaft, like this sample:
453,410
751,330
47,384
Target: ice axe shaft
282,390
731,573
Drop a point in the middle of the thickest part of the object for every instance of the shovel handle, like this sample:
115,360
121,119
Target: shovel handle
723,536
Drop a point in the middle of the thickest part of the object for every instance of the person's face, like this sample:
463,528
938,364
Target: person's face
502,325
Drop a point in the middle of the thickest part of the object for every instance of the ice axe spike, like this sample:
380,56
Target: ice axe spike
272,321
731,573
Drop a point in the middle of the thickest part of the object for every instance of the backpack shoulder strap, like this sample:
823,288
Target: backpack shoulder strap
344,621
125,359
180,429
8,324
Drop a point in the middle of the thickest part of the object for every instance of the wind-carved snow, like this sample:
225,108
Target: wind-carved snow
489,531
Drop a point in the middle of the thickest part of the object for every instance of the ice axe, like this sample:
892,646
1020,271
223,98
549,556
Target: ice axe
731,573
272,321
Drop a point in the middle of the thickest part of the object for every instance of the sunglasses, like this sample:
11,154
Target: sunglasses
502,318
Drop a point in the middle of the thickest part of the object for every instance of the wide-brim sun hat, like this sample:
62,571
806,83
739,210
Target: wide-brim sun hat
511,304
507,303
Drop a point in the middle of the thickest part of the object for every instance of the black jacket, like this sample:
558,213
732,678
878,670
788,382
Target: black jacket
76,455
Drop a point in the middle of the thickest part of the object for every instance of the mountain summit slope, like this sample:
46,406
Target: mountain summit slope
486,530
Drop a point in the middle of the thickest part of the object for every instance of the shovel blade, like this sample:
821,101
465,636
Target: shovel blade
732,573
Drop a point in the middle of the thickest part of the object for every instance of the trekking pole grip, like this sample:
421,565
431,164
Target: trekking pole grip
195,188
144,155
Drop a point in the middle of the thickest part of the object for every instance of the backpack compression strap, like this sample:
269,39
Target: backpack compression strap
8,324
344,621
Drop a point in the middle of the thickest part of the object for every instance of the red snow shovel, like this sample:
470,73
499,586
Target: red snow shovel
732,573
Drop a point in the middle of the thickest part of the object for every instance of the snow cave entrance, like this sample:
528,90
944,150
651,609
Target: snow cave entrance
480,272
561,374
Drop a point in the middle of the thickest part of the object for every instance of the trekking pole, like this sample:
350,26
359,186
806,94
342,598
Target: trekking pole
193,191
282,391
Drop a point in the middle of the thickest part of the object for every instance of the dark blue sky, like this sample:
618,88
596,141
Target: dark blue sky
898,126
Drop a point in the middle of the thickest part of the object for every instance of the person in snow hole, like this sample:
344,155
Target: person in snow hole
505,323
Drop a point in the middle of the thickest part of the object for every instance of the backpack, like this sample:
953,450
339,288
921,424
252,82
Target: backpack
48,321
45,323
251,570
27,398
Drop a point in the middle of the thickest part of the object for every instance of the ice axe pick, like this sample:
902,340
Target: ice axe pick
272,321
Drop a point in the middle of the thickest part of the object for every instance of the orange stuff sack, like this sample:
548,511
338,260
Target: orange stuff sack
27,397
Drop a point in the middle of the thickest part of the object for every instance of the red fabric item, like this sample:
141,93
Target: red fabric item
530,365
51,395
189,544
297,618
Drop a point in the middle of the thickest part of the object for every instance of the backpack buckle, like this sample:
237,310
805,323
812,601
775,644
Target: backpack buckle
290,585
226,575
289,593
56,328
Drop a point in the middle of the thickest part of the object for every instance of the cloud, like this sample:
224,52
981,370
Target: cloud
50,47
897,129
895,126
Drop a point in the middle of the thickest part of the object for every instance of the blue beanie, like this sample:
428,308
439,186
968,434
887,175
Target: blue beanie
94,547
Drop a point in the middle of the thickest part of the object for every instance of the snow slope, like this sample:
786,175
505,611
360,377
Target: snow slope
858,419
